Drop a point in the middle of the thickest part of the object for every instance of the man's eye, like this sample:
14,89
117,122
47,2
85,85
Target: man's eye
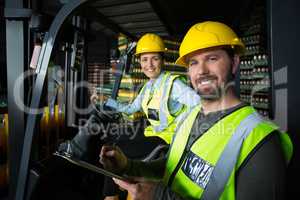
212,58
191,63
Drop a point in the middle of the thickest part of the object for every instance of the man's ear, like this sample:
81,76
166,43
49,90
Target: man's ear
235,63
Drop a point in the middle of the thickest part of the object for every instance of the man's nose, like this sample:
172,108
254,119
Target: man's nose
202,69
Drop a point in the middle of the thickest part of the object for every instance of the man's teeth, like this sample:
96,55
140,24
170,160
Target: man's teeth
205,82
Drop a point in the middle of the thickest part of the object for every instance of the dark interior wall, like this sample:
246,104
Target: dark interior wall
285,46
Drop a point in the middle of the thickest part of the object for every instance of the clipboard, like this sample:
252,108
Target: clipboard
90,167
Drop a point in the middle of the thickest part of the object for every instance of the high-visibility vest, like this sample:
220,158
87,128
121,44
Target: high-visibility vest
155,107
208,168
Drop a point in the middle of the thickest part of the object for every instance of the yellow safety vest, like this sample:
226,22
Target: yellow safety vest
207,169
155,107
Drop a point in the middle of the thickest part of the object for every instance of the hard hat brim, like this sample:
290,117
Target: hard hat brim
181,61
239,49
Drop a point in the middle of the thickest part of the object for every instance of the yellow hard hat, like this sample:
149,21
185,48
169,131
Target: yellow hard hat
208,34
149,43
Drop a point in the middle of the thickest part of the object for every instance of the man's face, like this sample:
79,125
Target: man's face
210,71
151,64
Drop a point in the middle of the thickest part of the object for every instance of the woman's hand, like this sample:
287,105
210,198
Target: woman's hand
95,97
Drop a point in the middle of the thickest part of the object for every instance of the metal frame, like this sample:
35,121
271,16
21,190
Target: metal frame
123,64
67,64
17,13
49,40
16,52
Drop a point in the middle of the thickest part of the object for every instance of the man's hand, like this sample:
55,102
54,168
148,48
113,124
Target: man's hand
113,159
140,190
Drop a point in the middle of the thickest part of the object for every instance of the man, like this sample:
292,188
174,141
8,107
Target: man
223,149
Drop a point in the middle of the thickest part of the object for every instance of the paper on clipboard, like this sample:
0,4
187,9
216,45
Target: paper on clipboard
90,167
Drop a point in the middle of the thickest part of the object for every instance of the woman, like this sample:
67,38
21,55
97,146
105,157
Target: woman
164,97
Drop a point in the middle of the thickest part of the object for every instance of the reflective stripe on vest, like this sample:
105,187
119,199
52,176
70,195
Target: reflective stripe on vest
164,126
229,156
153,101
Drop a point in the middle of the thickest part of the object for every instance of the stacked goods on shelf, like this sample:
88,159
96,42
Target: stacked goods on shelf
171,55
101,78
254,68
3,152
99,74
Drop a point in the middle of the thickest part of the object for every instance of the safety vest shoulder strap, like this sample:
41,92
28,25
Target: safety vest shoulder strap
166,90
227,161
148,99
178,144
164,125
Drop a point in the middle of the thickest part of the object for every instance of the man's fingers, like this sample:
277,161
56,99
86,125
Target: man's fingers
107,151
111,153
130,187
102,160
138,179
107,155
108,148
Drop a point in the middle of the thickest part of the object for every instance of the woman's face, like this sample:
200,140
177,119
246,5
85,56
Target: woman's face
151,64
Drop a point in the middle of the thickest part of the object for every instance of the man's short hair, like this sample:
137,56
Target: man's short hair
230,51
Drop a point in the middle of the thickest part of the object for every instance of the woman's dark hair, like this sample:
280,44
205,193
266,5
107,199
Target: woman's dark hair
162,55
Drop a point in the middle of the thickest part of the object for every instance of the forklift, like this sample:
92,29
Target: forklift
67,41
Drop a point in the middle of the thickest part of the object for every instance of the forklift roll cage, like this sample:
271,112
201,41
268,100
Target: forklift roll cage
43,62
